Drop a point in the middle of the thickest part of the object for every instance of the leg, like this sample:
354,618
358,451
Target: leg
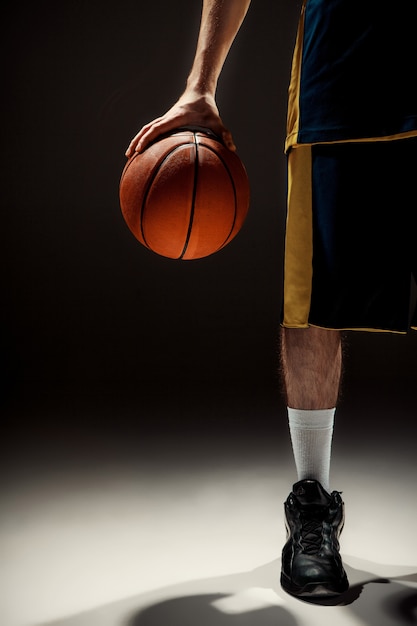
311,367
311,364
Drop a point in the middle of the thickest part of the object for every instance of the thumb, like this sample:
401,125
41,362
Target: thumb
228,140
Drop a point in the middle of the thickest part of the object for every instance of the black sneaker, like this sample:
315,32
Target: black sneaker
311,563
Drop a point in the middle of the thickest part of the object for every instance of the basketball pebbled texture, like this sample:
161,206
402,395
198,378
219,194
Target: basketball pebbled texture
186,196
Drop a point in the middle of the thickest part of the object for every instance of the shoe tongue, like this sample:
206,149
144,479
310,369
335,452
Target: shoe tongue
310,492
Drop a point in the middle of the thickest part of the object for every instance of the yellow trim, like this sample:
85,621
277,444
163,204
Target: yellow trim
366,330
406,135
293,111
298,267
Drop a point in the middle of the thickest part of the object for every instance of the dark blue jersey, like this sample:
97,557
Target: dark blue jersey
354,72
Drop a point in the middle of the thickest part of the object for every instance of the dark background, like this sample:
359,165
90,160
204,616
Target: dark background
93,324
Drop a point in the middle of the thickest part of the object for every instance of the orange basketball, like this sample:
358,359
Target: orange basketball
186,196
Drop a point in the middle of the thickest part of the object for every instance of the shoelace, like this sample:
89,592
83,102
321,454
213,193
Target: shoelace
311,534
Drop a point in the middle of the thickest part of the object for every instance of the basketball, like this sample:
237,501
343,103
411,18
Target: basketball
185,196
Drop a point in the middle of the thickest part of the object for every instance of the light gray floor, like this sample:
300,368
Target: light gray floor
111,527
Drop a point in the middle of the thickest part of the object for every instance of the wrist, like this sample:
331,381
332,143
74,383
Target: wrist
198,95
202,85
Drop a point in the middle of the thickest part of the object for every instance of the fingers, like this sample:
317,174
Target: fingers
181,116
144,137
151,131
228,140
132,147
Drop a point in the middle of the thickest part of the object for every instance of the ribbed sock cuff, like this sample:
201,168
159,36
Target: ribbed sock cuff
311,438
311,419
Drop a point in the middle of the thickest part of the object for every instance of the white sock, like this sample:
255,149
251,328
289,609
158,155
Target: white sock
311,437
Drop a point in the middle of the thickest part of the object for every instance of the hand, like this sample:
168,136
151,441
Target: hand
190,110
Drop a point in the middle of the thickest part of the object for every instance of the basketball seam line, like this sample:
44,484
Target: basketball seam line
149,185
234,193
191,220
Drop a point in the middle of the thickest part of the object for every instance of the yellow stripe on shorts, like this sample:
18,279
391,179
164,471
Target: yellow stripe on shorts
298,267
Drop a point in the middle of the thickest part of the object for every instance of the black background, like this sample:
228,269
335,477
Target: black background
92,322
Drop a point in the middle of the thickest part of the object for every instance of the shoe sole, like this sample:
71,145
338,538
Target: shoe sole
316,590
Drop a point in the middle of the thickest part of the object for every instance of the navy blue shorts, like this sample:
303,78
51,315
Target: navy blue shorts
352,73
351,248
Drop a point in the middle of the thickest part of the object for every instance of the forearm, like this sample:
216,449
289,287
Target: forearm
220,22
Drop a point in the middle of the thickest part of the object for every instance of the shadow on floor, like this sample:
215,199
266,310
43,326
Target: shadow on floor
191,610
379,595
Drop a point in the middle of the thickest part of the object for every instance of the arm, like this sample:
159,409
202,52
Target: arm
220,22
